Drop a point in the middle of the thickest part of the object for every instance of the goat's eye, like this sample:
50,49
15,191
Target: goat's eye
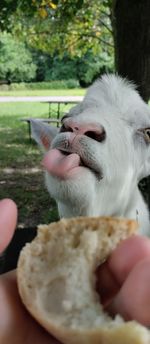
146,133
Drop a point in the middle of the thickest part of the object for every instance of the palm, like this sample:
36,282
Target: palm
16,324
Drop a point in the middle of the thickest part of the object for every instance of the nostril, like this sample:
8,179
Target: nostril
96,135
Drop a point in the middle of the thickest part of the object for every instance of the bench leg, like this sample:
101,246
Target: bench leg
58,113
29,131
49,111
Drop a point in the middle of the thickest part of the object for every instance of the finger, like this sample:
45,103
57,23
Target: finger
106,284
133,299
8,220
128,253
115,270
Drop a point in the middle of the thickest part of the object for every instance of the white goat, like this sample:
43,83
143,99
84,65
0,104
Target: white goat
102,150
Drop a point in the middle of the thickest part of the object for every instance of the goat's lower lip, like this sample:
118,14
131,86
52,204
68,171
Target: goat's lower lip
59,164
64,164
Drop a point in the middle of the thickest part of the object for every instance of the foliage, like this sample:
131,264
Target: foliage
10,7
15,60
33,64
62,68
89,67
81,25
74,25
57,84
42,92
73,38
43,63
84,69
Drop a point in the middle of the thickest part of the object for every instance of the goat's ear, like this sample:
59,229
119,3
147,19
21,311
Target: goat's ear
42,133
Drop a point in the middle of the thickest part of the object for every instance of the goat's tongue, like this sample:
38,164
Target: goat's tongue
58,164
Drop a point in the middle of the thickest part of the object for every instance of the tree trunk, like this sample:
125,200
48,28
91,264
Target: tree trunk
131,23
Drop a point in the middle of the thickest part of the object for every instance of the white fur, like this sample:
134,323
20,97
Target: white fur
123,158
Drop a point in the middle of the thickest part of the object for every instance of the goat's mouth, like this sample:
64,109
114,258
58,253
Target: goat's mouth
63,164
83,161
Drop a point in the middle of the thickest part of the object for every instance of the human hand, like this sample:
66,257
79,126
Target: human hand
16,325
123,283
8,220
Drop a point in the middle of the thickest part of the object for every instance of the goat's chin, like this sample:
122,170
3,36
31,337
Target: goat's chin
77,189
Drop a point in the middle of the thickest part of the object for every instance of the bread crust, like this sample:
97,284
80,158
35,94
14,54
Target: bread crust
65,303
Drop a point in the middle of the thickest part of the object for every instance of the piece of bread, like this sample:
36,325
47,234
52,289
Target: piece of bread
56,281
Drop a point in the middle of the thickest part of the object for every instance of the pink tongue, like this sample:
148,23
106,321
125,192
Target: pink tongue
59,164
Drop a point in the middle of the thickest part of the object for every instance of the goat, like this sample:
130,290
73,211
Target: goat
95,161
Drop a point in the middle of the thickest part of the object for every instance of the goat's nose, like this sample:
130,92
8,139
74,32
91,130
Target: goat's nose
93,130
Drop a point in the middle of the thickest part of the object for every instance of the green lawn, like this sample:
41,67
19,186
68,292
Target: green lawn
21,175
65,92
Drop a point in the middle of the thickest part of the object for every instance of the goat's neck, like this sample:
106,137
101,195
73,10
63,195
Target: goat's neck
124,204
107,203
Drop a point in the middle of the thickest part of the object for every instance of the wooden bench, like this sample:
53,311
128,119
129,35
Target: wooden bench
51,100
45,120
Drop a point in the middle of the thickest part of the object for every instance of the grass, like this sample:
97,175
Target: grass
66,92
21,175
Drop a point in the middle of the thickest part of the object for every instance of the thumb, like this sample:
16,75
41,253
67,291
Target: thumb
8,220
133,299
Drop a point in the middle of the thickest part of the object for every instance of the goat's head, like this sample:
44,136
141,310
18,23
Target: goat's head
101,151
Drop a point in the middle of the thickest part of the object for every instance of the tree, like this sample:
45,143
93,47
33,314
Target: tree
131,23
9,8
82,28
15,60
75,26
80,25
